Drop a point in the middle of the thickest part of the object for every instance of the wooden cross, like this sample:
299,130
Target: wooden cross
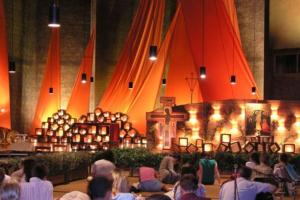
167,121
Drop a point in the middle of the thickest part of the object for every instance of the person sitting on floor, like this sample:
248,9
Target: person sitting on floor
102,168
208,170
176,192
167,173
158,197
148,181
263,170
253,162
37,188
244,187
120,189
100,188
188,188
24,173
10,191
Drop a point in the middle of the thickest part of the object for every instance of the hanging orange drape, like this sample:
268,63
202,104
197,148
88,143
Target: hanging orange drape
183,73
144,101
4,76
80,97
231,11
49,103
133,64
223,54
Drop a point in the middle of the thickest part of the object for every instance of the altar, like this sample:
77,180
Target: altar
229,125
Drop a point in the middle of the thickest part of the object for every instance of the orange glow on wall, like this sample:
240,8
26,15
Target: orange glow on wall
4,76
49,103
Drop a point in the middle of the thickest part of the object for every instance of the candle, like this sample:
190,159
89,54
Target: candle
103,130
38,131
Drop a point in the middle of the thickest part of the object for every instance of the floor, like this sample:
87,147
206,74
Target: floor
81,185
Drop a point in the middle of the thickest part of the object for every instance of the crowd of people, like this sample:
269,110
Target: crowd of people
255,180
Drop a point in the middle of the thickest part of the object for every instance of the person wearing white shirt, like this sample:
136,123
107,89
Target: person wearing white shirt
37,188
246,189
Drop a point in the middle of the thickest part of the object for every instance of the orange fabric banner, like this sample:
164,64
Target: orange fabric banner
4,76
133,64
183,74
231,10
80,97
223,54
144,100
49,103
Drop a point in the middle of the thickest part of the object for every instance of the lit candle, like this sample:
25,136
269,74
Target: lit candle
103,130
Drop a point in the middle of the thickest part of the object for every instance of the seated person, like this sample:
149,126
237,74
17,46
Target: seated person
120,188
253,162
188,187
102,168
167,174
37,188
246,189
263,170
24,173
158,197
10,191
100,188
75,195
176,193
148,180
208,170
3,177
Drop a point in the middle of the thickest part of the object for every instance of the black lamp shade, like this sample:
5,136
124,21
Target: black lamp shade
53,16
153,53
12,67
130,85
51,90
83,78
164,81
202,72
92,79
253,90
233,80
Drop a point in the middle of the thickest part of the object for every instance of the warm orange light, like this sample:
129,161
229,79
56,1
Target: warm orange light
207,147
38,131
289,148
60,132
103,130
226,138
183,142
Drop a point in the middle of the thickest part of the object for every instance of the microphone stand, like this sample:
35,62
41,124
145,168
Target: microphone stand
235,181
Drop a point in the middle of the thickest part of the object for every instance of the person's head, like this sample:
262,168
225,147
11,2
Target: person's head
106,155
207,155
188,184
119,182
176,157
188,170
265,159
27,166
100,188
102,168
40,171
254,157
10,191
245,172
158,197
284,158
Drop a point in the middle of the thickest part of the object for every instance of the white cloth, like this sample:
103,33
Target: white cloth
250,164
124,196
36,189
246,190
75,195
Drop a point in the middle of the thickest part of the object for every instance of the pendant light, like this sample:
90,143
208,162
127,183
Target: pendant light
130,85
83,78
164,81
51,90
253,90
12,64
203,72
53,15
233,80
153,53
91,79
